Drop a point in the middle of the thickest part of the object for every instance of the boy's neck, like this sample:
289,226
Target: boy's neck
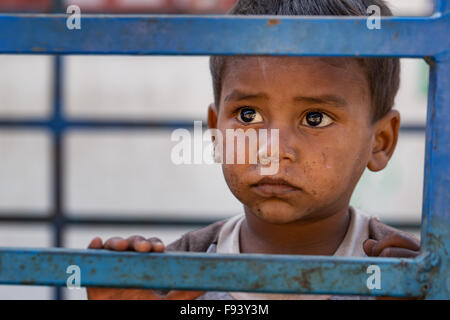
321,236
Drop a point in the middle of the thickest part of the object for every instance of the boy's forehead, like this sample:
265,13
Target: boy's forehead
324,75
287,63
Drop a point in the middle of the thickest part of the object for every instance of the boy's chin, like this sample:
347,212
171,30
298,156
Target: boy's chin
279,214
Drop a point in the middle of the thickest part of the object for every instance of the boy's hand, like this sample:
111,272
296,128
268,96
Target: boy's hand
385,241
139,244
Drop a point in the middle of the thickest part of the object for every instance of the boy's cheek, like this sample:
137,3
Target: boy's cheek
236,177
327,174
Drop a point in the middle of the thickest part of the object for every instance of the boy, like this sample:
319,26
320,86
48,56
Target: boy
334,117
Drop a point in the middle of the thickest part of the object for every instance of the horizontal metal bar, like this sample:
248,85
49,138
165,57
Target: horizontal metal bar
227,35
107,220
97,124
149,220
213,272
62,124
103,124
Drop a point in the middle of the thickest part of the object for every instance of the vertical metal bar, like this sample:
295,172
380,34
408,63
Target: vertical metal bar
436,203
57,134
57,131
57,157
442,6
436,207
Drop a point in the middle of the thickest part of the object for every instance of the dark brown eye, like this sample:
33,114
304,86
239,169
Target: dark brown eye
314,118
249,115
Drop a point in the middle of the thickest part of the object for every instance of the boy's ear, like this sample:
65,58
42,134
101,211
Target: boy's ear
385,140
212,116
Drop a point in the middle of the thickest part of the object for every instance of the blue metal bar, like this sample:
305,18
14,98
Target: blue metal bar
73,124
96,125
57,161
200,35
150,219
443,6
57,156
436,202
201,271
57,136
305,36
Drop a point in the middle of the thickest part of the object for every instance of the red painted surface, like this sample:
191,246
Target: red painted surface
25,5
123,6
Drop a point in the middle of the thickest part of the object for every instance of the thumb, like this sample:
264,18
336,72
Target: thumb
183,295
368,245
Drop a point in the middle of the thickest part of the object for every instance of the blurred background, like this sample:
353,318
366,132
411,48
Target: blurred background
121,182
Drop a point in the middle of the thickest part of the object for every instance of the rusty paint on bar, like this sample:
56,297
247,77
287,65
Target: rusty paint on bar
201,271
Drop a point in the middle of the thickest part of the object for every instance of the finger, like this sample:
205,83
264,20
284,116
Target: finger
395,298
96,243
157,244
395,240
139,244
116,244
379,231
393,252
183,295
121,294
94,293
368,245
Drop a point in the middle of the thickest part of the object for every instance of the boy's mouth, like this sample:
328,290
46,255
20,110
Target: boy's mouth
273,187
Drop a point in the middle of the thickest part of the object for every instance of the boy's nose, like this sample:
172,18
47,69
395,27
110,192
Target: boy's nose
275,147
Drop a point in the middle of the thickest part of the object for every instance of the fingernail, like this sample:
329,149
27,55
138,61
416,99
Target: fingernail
144,245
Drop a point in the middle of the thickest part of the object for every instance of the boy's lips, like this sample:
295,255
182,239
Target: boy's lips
273,187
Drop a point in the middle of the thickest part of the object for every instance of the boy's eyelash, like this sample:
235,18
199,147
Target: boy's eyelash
318,110
237,109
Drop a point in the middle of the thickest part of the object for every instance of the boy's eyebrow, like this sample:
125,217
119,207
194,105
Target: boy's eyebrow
238,95
323,99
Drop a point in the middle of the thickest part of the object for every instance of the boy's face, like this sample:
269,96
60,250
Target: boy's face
326,137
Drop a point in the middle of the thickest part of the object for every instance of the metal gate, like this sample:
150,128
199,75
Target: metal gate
426,37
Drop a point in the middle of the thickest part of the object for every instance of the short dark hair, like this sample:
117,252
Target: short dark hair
383,74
